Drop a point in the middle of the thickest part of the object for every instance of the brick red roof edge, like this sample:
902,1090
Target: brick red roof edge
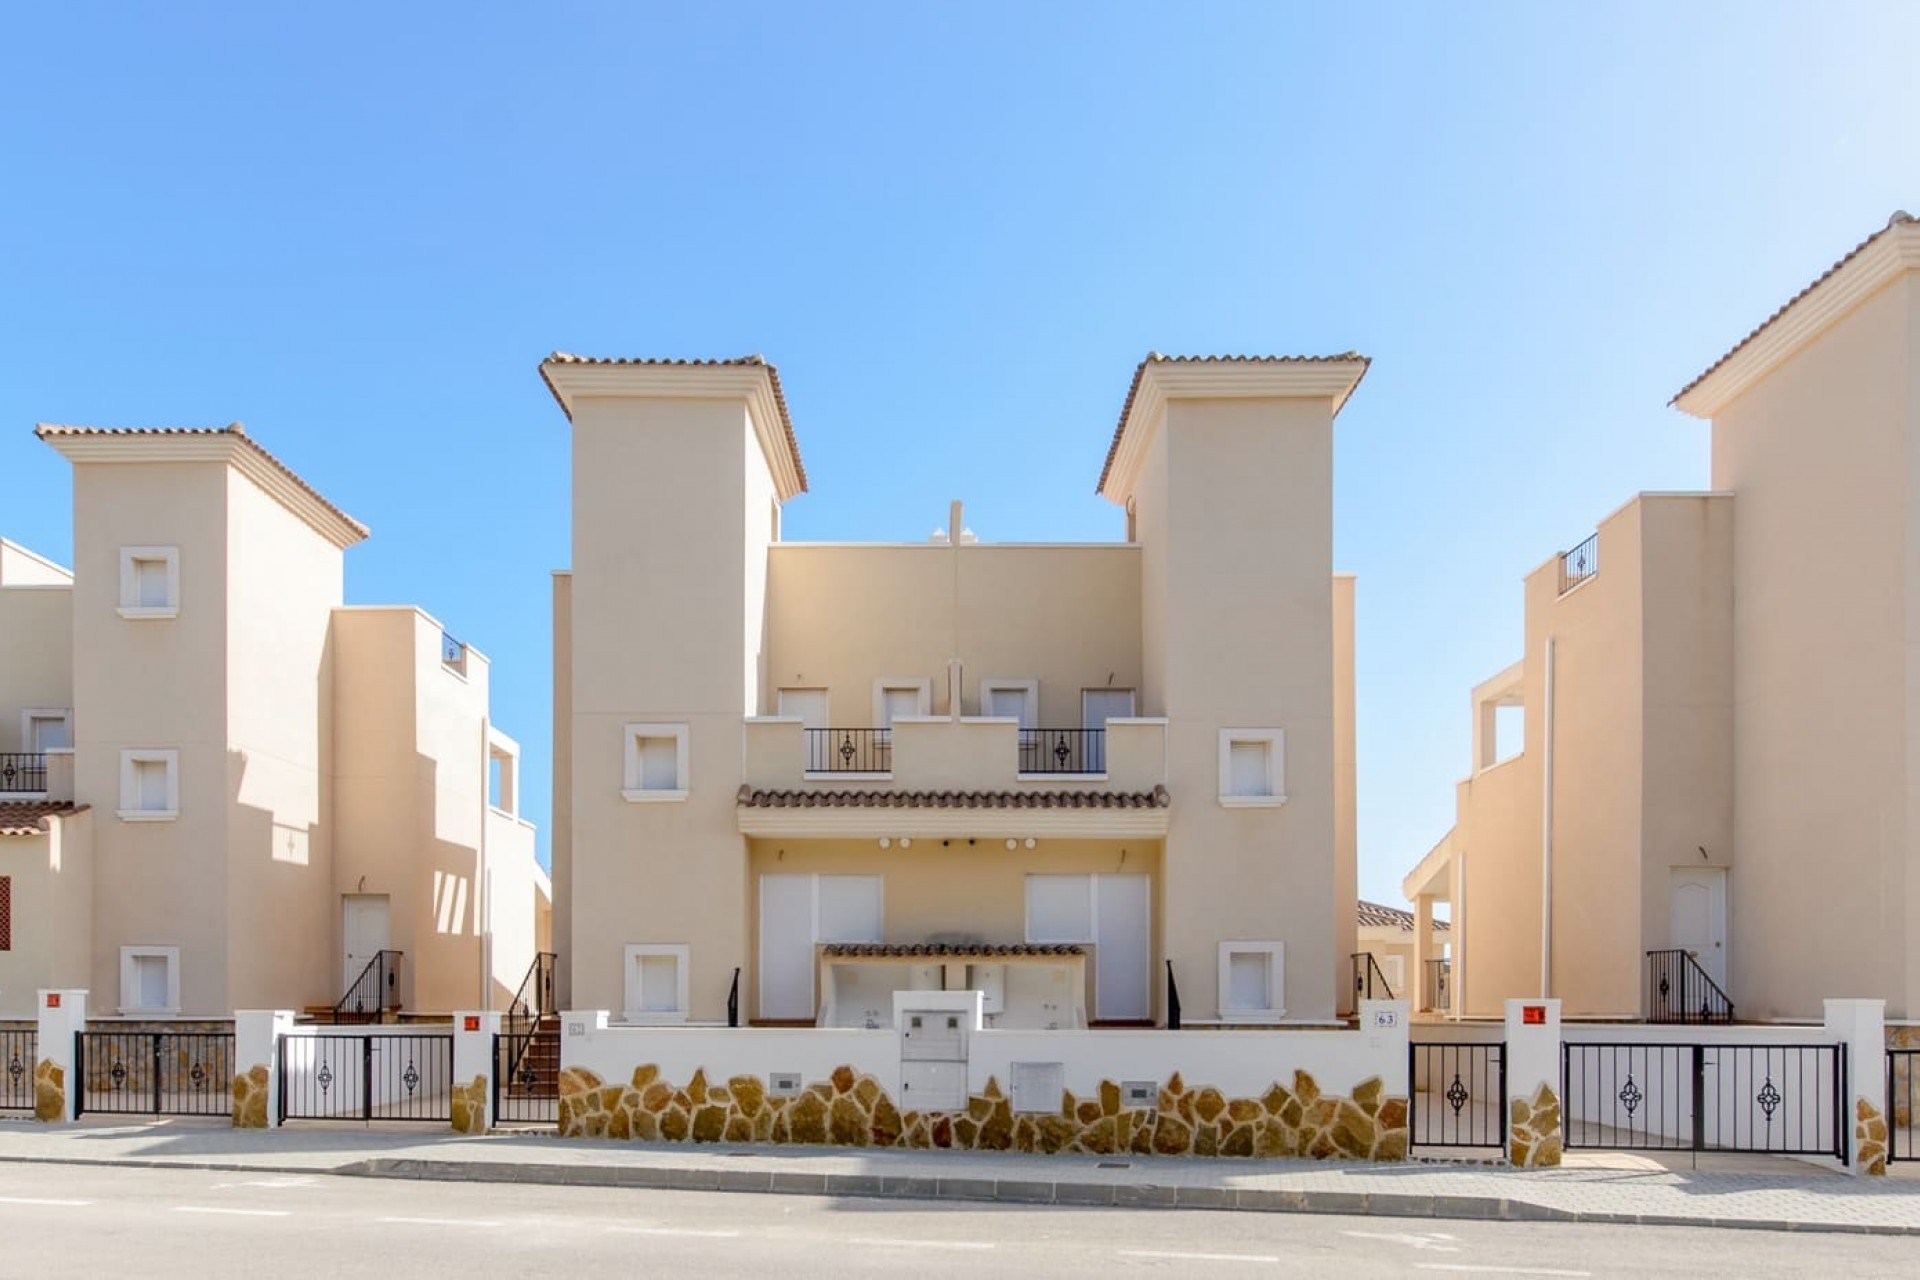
889,950
1154,357
773,377
1380,916
749,798
29,817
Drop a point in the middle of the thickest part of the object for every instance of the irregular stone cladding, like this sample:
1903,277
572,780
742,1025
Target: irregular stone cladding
470,1106
851,1109
1533,1130
250,1097
1869,1138
49,1091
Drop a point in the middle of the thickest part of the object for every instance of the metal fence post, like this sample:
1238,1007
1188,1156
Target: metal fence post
156,1073
79,1074
366,1078
1699,1056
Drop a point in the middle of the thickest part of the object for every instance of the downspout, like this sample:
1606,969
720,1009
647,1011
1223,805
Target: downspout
483,892
1546,836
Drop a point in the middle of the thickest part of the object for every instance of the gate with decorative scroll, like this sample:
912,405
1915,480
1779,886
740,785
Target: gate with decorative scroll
383,1076
154,1073
1456,1094
1781,1099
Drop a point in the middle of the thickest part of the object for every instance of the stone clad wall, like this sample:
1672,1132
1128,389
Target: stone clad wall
1533,1130
852,1109
49,1091
250,1097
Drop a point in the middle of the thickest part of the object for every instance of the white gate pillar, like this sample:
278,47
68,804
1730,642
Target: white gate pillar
1861,1025
63,1014
256,1066
1533,1099
473,1067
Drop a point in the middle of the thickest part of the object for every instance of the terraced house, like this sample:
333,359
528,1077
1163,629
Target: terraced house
1711,813
1090,781
222,787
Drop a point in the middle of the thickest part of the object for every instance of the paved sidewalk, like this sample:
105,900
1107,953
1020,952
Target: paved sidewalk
1764,1194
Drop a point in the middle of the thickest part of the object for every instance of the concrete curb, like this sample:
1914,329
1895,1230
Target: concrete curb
1023,1191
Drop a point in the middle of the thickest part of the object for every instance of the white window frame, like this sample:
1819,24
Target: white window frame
130,606
630,983
921,685
632,791
28,715
130,810
1276,953
1275,741
1030,694
130,983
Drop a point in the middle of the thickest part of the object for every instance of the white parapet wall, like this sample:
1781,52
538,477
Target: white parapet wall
1266,1093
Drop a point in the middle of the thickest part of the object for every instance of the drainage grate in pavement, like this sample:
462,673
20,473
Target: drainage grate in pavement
1114,1164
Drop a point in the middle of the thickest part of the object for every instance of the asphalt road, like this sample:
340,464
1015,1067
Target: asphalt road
93,1221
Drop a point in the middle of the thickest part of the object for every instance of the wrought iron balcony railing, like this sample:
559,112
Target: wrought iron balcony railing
22,772
1063,751
1679,990
1579,564
849,750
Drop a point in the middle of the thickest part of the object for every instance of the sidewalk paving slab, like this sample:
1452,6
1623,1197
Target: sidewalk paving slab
1732,1192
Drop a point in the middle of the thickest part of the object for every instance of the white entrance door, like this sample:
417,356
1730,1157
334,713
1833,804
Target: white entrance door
1123,948
364,929
1097,706
786,947
1698,923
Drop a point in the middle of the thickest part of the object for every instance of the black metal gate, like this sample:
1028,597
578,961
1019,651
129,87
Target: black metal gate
1777,1099
397,1076
1903,1104
153,1073
17,1058
1457,1095
526,1080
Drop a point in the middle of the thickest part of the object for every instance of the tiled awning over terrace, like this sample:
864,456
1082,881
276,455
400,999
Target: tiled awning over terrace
1092,812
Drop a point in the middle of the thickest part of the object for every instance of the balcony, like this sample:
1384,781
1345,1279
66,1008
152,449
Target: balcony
1579,564
929,753
23,773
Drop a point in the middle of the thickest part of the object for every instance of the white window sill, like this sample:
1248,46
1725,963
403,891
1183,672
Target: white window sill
1252,802
652,797
147,613
1252,1015
147,815
636,1019
150,1013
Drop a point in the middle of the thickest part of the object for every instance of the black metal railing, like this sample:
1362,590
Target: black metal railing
374,992
453,652
1679,990
155,1073
849,750
733,999
526,1081
1063,751
1780,1099
1173,1000
17,1058
1903,1104
22,772
531,1004
1457,1095
389,1076
1369,983
1579,564
1440,985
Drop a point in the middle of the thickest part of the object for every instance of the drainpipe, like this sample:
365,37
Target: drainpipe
1546,837
483,891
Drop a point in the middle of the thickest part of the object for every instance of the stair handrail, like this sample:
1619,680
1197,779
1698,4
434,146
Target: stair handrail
1662,967
532,1002
1366,975
378,983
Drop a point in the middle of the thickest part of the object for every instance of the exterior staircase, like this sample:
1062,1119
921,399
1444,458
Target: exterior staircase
536,1074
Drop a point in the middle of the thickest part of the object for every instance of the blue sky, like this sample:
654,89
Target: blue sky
956,228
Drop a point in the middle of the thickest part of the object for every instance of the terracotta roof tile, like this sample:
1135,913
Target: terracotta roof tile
29,817
1900,218
1154,357
238,430
889,950
1379,916
879,799
773,376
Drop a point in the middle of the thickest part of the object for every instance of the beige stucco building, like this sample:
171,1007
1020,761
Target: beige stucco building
220,786
1722,703
799,777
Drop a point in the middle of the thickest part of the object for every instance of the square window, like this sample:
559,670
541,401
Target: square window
1252,767
149,582
149,785
655,988
1253,981
150,980
45,729
656,762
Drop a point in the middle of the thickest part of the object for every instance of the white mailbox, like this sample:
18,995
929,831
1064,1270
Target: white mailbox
933,1035
933,1086
933,1057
